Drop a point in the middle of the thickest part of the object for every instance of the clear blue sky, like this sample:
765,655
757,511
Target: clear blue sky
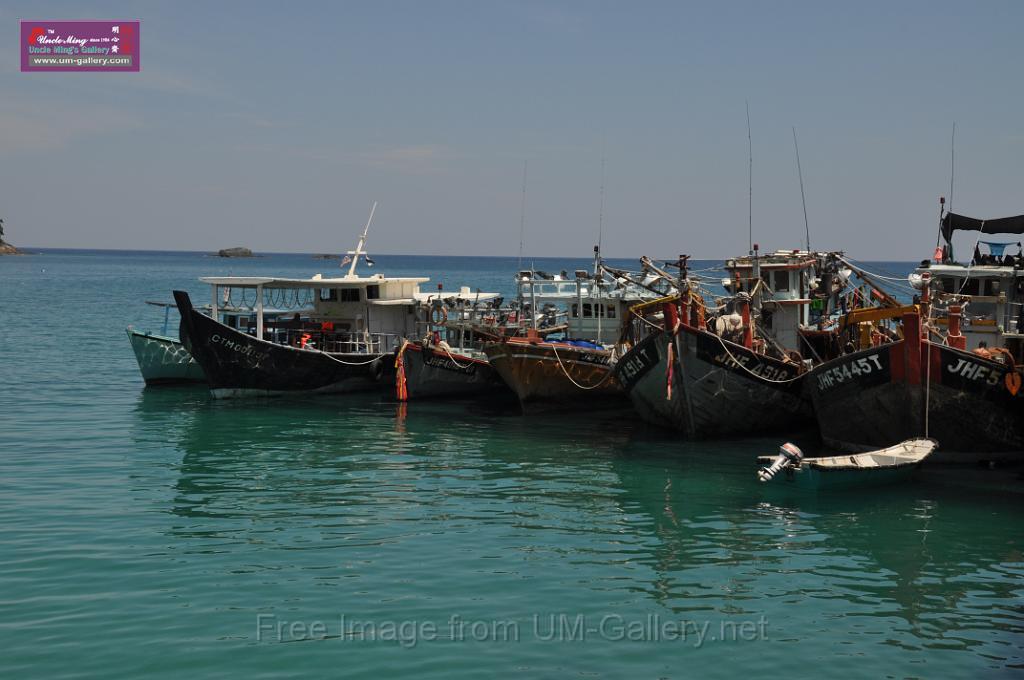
275,125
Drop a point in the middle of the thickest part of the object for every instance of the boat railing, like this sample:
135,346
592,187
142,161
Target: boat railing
335,342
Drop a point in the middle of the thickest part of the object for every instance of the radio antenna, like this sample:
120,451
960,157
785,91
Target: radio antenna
600,210
803,200
750,185
522,219
952,164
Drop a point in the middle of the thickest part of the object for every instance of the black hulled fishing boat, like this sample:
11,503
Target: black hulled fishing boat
742,370
344,340
954,371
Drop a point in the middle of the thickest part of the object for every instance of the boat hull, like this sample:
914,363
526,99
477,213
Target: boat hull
163,360
718,388
877,396
239,365
553,375
432,372
809,478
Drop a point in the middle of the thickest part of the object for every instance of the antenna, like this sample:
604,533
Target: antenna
800,174
750,186
362,242
952,164
600,211
522,219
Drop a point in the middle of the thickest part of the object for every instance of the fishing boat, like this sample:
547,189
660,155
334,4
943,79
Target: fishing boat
871,468
565,356
737,368
447,360
953,371
346,343
164,360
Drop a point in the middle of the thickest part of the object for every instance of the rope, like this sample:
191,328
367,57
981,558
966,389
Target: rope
756,375
562,366
454,361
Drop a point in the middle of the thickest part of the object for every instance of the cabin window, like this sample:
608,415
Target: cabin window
587,312
971,287
350,295
992,287
598,310
328,295
575,311
948,284
229,321
611,311
373,292
780,281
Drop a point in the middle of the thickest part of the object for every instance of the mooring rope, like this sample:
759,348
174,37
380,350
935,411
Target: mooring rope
562,366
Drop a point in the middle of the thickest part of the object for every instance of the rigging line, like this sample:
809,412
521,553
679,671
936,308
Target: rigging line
803,200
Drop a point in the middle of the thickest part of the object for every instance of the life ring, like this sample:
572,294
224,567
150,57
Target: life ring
438,315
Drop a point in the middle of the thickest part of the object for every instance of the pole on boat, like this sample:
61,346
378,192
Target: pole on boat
362,243
213,307
803,200
259,311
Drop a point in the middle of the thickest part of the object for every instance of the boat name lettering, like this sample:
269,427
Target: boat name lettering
759,368
633,365
974,371
837,375
241,348
447,364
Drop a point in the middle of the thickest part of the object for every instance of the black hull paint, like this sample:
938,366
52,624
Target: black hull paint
431,372
239,365
875,397
718,389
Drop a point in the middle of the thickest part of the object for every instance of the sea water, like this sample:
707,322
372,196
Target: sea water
159,533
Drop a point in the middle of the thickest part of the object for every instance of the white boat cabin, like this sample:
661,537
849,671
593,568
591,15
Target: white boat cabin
350,313
781,283
592,307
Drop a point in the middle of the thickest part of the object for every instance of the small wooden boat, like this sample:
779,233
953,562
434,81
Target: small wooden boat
882,466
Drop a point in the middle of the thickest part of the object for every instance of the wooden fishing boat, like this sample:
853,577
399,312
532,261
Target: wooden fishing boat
926,379
429,369
890,465
573,367
551,373
741,370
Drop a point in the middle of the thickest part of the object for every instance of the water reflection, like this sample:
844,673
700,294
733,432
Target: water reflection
587,513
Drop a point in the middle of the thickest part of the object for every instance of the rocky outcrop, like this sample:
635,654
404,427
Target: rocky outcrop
234,252
8,249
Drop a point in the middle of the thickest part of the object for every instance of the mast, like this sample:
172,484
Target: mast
800,173
362,243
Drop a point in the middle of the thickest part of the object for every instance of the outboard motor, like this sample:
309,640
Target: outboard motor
790,455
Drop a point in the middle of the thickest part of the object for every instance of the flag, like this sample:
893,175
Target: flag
369,262
345,260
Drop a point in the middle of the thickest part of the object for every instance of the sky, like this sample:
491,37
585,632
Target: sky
276,125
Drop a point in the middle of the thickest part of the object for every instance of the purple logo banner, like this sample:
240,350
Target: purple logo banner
90,45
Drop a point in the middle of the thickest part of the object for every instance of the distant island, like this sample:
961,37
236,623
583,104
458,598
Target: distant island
5,247
234,252
327,257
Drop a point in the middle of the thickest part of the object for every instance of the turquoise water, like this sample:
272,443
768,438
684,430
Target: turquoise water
157,532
